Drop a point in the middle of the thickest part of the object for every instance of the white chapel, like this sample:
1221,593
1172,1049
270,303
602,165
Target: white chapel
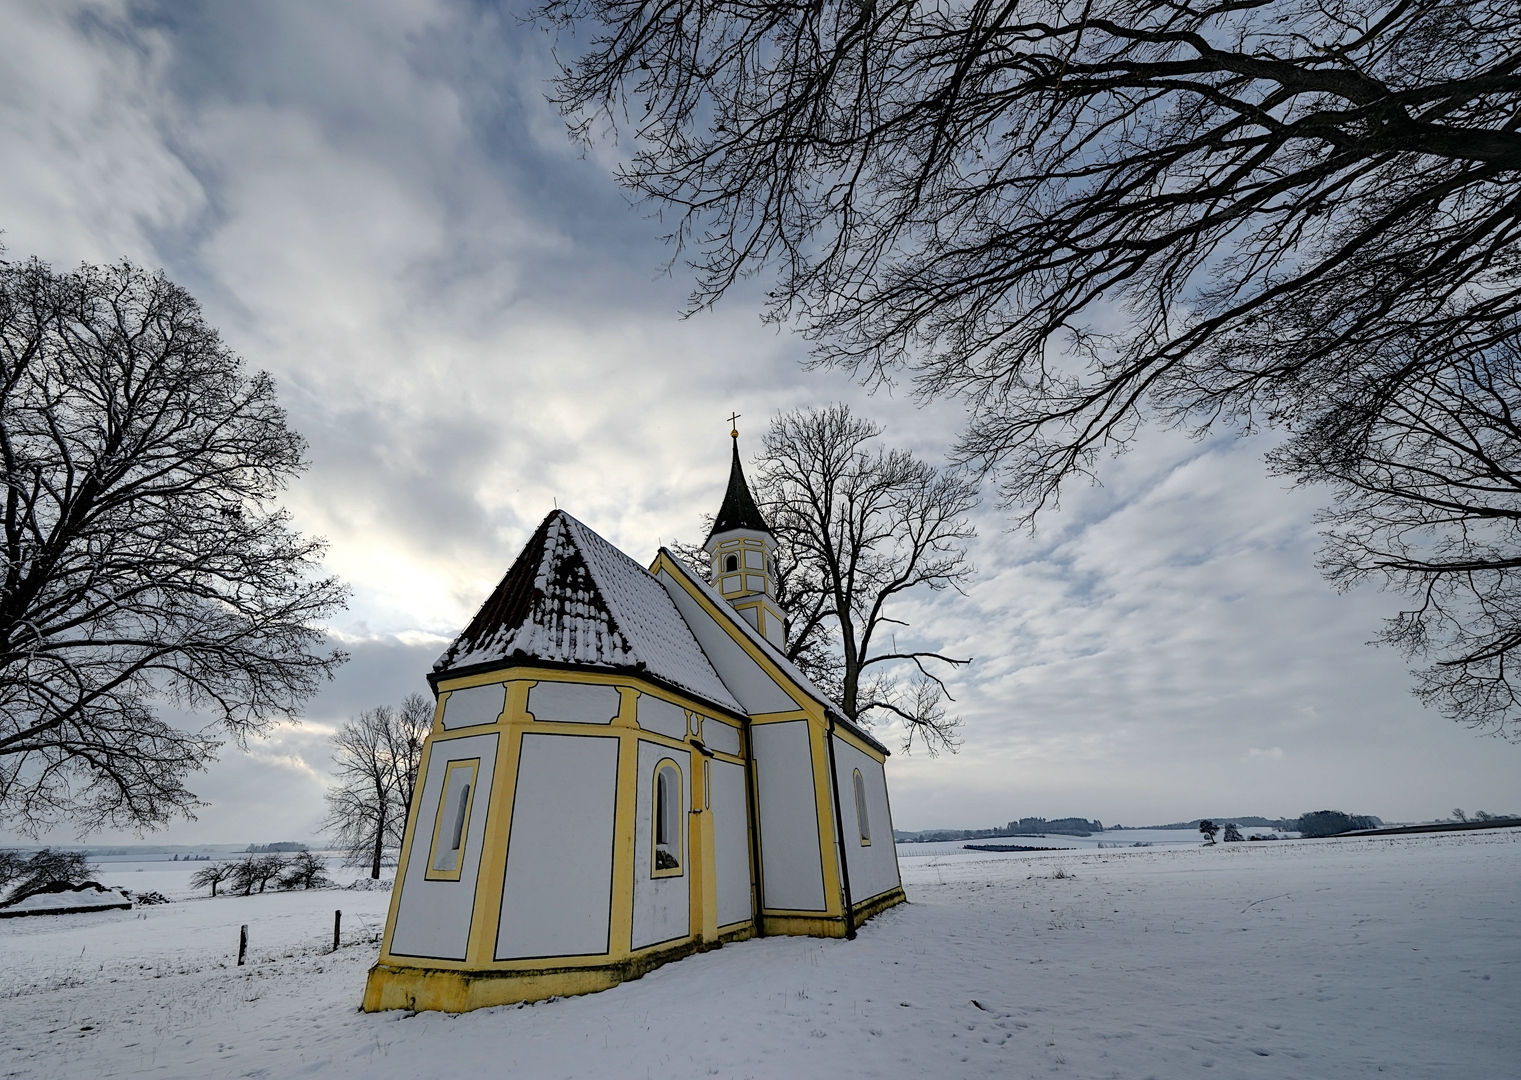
624,769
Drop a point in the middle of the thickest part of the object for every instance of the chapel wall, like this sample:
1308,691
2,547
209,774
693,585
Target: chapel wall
872,858
792,872
563,788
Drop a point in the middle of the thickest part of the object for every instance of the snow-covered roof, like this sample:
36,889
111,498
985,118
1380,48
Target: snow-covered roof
788,668
573,598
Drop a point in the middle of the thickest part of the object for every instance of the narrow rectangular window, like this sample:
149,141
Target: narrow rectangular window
662,812
861,819
451,826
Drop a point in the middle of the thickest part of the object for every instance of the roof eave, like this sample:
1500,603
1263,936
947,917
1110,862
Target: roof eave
635,671
830,708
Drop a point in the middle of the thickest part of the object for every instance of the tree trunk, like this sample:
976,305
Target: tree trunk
380,839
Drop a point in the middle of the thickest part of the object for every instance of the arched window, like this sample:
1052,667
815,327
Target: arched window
665,860
861,818
731,563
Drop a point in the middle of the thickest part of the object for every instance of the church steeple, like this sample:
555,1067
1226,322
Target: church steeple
742,548
738,510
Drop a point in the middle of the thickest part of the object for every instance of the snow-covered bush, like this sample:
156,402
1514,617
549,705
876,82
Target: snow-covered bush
20,876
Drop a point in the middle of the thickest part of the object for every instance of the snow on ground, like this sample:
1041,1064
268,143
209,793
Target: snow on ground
1397,956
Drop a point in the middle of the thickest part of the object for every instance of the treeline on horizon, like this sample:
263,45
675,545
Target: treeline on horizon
1309,824
1029,826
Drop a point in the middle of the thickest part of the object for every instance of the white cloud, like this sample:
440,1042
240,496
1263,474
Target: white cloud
374,202
87,171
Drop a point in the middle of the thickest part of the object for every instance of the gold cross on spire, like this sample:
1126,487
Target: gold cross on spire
733,431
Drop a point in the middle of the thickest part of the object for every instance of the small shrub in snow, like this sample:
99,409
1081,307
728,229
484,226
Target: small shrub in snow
1232,834
149,898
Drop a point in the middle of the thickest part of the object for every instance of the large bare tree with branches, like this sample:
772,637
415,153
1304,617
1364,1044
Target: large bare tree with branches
145,561
862,526
375,760
1077,215
858,527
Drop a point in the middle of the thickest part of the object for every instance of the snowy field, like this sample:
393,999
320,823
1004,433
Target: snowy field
1397,956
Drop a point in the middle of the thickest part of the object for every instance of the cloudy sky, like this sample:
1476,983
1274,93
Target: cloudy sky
469,323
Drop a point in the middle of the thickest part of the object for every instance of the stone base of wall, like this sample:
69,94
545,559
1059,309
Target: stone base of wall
454,990
830,925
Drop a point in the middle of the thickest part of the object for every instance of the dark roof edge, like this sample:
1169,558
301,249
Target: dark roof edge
633,672
841,720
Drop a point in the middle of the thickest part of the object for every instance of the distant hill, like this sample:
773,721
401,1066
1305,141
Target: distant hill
1251,822
1067,826
1030,826
1076,826
932,836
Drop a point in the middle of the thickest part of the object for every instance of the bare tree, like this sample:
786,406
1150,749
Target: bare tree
307,871
406,734
809,644
1080,215
863,525
855,527
376,757
145,561
43,868
212,876
257,870
1427,490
